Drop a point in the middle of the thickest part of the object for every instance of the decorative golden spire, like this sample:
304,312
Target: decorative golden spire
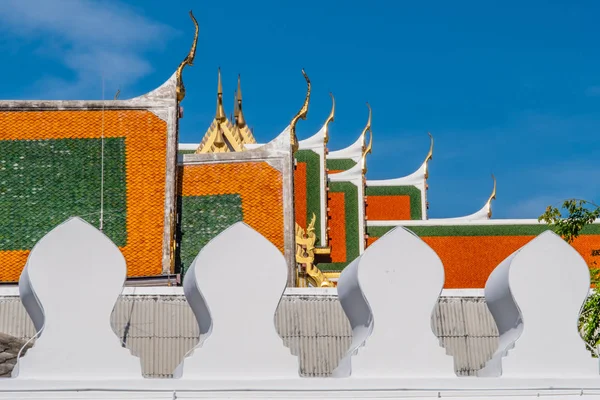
329,119
235,106
239,113
367,127
429,155
492,197
188,60
220,115
367,148
301,114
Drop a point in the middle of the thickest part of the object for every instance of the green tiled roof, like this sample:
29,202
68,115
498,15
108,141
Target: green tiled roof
203,218
313,186
44,182
341,164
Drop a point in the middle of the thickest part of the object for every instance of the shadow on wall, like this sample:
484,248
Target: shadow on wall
161,329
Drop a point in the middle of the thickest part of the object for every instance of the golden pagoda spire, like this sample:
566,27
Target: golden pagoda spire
220,115
329,119
300,115
188,60
367,148
239,113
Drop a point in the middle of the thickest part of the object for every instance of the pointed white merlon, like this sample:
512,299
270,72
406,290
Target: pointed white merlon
535,297
234,287
389,294
69,287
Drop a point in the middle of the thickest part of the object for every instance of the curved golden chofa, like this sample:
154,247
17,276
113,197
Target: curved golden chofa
429,156
188,60
367,148
329,119
301,114
492,197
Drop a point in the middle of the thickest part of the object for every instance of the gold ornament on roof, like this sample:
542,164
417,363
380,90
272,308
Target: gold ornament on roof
305,255
367,148
220,115
188,60
222,136
492,197
329,119
238,113
429,155
300,115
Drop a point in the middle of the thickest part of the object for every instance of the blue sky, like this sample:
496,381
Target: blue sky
505,87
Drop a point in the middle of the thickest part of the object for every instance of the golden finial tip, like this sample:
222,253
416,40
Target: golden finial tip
329,118
492,197
429,155
301,114
188,60
367,127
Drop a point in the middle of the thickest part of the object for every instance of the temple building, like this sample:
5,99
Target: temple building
119,164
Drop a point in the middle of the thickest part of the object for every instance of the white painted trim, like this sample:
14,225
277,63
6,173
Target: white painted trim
316,144
452,221
355,176
187,146
316,141
481,215
310,291
416,179
13,291
353,152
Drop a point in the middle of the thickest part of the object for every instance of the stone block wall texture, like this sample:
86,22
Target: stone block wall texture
215,196
471,252
9,352
51,169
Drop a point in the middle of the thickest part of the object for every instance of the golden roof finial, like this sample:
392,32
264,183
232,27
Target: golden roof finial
220,116
367,127
219,138
188,60
492,197
239,114
235,105
301,114
367,148
429,155
329,119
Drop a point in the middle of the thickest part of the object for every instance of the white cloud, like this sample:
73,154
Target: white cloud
90,38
